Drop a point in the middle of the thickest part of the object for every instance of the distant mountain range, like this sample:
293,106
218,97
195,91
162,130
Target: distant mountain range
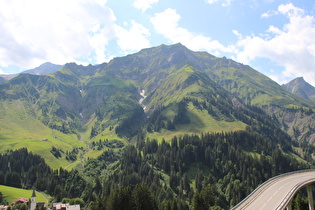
301,88
158,92
43,69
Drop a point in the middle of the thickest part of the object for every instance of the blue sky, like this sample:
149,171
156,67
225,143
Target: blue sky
275,37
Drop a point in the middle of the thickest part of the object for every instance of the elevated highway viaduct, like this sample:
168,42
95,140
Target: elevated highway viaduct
277,192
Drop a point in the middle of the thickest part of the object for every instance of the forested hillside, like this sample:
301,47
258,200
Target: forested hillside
164,128
197,172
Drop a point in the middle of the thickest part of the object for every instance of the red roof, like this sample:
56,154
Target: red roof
20,200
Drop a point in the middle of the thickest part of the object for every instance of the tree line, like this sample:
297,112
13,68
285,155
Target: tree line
211,170
227,165
23,169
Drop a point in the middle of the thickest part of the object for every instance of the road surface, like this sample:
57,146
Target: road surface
277,192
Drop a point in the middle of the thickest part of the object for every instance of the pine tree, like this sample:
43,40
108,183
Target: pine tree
143,198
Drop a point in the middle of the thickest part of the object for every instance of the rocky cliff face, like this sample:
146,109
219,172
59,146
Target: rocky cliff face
298,123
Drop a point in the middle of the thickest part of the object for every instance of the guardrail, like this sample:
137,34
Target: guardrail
261,187
292,192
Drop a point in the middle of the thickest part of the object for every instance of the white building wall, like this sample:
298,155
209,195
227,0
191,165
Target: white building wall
72,207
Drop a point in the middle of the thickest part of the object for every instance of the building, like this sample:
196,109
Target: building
35,204
20,200
62,206
33,201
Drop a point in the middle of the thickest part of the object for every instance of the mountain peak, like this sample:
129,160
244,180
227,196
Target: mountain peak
301,88
46,64
299,80
165,48
45,68
176,46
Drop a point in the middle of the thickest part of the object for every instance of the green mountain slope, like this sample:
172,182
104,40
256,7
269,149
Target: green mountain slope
150,68
19,128
158,92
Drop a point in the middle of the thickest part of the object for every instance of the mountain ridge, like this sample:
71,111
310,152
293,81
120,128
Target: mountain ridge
301,88
43,69
186,92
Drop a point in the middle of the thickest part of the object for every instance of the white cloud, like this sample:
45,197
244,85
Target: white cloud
134,39
166,23
211,1
59,31
269,14
290,10
275,30
144,4
285,9
238,34
292,46
279,78
224,3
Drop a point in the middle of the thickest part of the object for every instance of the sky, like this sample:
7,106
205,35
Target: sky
275,37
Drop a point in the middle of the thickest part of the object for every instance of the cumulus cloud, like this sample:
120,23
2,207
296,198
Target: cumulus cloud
59,31
134,39
144,4
290,10
166,23
292,46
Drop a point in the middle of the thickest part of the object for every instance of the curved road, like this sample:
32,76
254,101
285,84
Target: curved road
277,192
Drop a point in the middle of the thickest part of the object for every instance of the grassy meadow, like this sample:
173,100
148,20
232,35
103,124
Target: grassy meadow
19,129
11,193
201,122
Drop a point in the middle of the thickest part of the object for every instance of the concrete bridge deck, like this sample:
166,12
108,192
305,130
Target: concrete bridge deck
277,192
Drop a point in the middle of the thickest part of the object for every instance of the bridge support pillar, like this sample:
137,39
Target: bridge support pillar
289,206
310,197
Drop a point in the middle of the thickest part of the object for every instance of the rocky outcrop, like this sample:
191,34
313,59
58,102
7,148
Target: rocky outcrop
298,123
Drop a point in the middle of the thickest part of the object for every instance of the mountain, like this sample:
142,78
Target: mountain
301,88
158,92
193,127
2,80
5,77
43,69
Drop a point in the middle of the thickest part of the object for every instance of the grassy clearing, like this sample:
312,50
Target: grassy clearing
94,153
42,148
12,193
106,134
201,122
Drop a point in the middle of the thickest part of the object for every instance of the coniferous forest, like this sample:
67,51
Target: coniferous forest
214,170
